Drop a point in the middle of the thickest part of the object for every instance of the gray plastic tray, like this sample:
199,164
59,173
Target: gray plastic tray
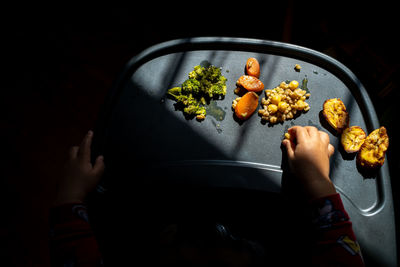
141,124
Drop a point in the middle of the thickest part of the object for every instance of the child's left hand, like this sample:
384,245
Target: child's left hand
80,176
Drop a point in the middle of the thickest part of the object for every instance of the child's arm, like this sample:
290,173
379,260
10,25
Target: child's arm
72,241
308,152
71,238
335,242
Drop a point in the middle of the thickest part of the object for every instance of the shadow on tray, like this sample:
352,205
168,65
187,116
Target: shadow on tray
172,223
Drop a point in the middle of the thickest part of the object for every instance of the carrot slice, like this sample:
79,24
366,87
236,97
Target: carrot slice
250,83
253,67
246,105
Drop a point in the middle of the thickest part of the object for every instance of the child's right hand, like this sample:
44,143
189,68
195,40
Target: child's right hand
308,152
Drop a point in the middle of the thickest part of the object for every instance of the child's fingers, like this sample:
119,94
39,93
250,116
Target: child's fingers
73,152
331,150
290,147
299,133
98,167
84,149
325,140
324,137
312,131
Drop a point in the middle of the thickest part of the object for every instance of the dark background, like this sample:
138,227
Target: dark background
59,62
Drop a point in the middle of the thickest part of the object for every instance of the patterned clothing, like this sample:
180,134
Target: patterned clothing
335,242
74,244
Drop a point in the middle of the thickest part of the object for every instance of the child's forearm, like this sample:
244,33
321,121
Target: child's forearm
71,237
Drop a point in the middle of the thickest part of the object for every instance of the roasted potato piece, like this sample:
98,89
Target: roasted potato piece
372,152
335,113
352,139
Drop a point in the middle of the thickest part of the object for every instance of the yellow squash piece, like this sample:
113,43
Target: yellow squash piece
372,152
335,113
352,139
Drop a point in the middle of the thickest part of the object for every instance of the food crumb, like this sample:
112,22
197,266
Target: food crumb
297,67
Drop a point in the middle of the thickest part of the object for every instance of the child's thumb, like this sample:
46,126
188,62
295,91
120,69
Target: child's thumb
289,145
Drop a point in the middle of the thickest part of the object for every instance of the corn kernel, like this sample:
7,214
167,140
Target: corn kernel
264,101
284,85
275,99
283,102
293,84
273,119
300,105
282,106
201,117
272,108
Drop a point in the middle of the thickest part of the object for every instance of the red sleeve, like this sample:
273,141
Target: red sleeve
335,242
72,242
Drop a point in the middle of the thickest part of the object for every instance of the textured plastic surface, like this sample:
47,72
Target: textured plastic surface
141,125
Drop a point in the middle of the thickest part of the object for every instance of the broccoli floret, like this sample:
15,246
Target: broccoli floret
213,74
194,110
202,83
174,92
197,72
191,86
201,111
218,89
186,100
